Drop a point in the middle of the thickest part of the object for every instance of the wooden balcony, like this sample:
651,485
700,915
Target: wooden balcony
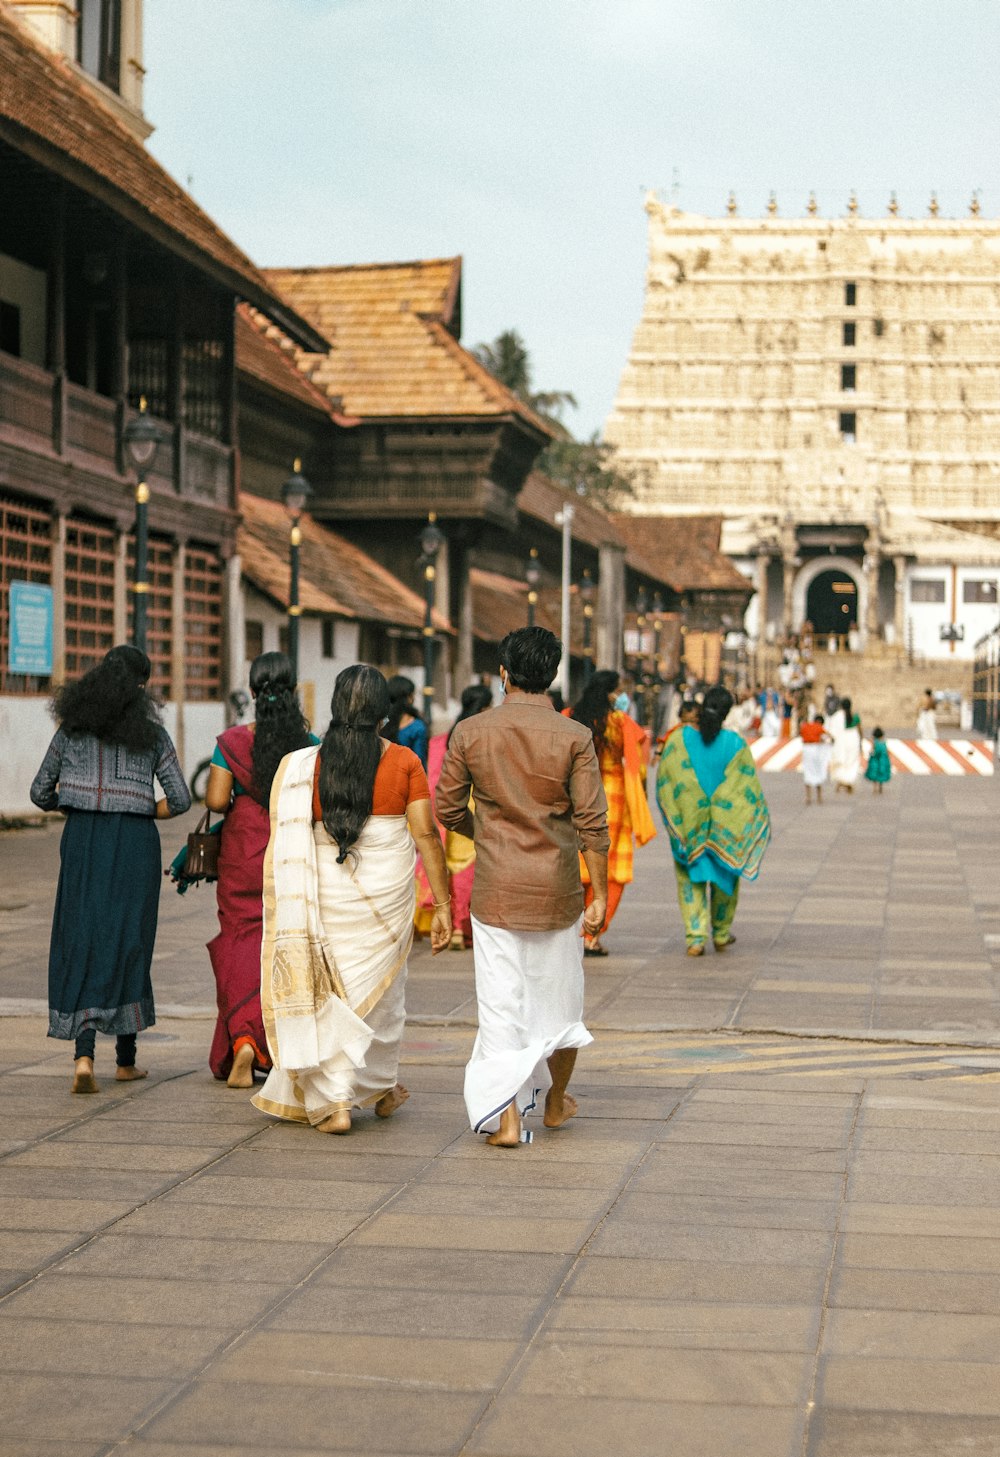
84,428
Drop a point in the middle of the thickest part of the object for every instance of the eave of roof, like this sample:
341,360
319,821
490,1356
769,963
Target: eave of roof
48,112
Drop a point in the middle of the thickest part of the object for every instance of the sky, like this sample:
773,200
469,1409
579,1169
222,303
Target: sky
524,134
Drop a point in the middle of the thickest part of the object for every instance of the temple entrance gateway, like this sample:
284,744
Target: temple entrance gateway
832,602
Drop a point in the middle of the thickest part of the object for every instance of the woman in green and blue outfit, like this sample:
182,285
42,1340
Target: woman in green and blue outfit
714,810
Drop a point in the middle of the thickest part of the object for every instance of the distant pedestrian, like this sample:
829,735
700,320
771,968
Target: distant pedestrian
831,701
714,810
845,758
243,767
538,801
878,770
816,746
926,717
459,850
622,749
406,725
100,768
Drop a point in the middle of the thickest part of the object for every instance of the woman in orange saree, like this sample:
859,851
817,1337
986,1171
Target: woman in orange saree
621,752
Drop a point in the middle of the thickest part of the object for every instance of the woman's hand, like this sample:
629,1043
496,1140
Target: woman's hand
440,929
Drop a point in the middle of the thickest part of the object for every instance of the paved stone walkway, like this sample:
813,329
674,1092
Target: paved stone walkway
772,1230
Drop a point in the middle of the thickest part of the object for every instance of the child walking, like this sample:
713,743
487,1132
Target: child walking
816,745
879,769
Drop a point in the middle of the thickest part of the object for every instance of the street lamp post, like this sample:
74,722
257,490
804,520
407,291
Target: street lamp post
141,436
564,518
532,575
431,542
295,493
587,591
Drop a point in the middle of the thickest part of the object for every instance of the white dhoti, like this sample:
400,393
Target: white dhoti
815,764
529,986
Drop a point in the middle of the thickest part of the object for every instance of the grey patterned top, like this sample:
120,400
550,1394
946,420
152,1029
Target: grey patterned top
79,771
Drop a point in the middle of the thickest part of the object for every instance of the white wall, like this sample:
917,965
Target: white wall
925,619
317,674
26,727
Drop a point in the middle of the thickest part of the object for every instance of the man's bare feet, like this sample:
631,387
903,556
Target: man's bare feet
339,1122
241,1072
130,1074
83,1076
390,1101
559,1109
508,1135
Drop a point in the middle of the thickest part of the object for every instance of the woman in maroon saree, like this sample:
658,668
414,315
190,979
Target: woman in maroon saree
239,785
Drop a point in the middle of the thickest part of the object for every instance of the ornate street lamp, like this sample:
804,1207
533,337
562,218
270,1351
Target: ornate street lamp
431,542
532,575
141,437
295,494
587,594
658,611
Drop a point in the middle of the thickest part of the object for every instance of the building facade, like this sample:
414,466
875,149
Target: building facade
831,387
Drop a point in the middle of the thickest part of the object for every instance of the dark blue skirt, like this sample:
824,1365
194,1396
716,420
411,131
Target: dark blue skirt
104,925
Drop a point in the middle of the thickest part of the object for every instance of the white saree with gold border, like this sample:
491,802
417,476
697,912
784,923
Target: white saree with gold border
333,958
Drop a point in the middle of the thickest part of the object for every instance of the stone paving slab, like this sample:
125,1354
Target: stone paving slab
748,1244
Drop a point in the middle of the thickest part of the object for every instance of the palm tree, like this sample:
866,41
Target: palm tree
508,360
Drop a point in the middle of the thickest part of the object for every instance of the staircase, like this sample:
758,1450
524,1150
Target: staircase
882,685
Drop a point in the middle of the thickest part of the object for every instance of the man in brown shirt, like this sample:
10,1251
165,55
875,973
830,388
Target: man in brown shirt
538,801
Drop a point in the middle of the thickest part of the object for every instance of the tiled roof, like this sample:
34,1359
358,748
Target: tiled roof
336,576
683,551
264,360
540,498
48,111
394,353
500,605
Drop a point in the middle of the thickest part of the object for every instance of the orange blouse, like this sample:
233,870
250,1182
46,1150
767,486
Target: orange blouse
399,781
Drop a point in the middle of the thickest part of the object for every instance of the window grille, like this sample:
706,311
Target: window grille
25,556
203,368
203,623
149,375
90,594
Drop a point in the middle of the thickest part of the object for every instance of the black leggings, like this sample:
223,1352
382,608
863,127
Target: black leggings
124,1047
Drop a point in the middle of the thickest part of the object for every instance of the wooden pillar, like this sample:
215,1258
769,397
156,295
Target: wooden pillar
56,320
119,382
178,643
177,377
59,599
230,400
122,623
234,619
610,616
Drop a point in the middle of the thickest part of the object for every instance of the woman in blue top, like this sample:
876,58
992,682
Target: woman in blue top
405,724
713,807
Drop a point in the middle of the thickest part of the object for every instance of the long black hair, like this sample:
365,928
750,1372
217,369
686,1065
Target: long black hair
111,702
281,726
400,691
714,711
593,707
475,699
349,754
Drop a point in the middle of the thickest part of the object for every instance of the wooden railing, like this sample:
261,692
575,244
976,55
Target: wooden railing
72,420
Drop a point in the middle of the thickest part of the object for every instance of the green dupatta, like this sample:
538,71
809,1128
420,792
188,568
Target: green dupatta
733,826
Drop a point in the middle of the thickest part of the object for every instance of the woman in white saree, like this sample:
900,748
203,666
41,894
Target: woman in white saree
339,894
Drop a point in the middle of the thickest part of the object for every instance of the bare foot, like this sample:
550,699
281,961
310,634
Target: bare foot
559,1110
241,1072
130,1074
457,942
83,1076
508,1135
336,1122
390,1101
697,950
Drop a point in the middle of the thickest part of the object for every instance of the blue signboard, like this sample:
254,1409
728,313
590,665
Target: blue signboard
30,629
